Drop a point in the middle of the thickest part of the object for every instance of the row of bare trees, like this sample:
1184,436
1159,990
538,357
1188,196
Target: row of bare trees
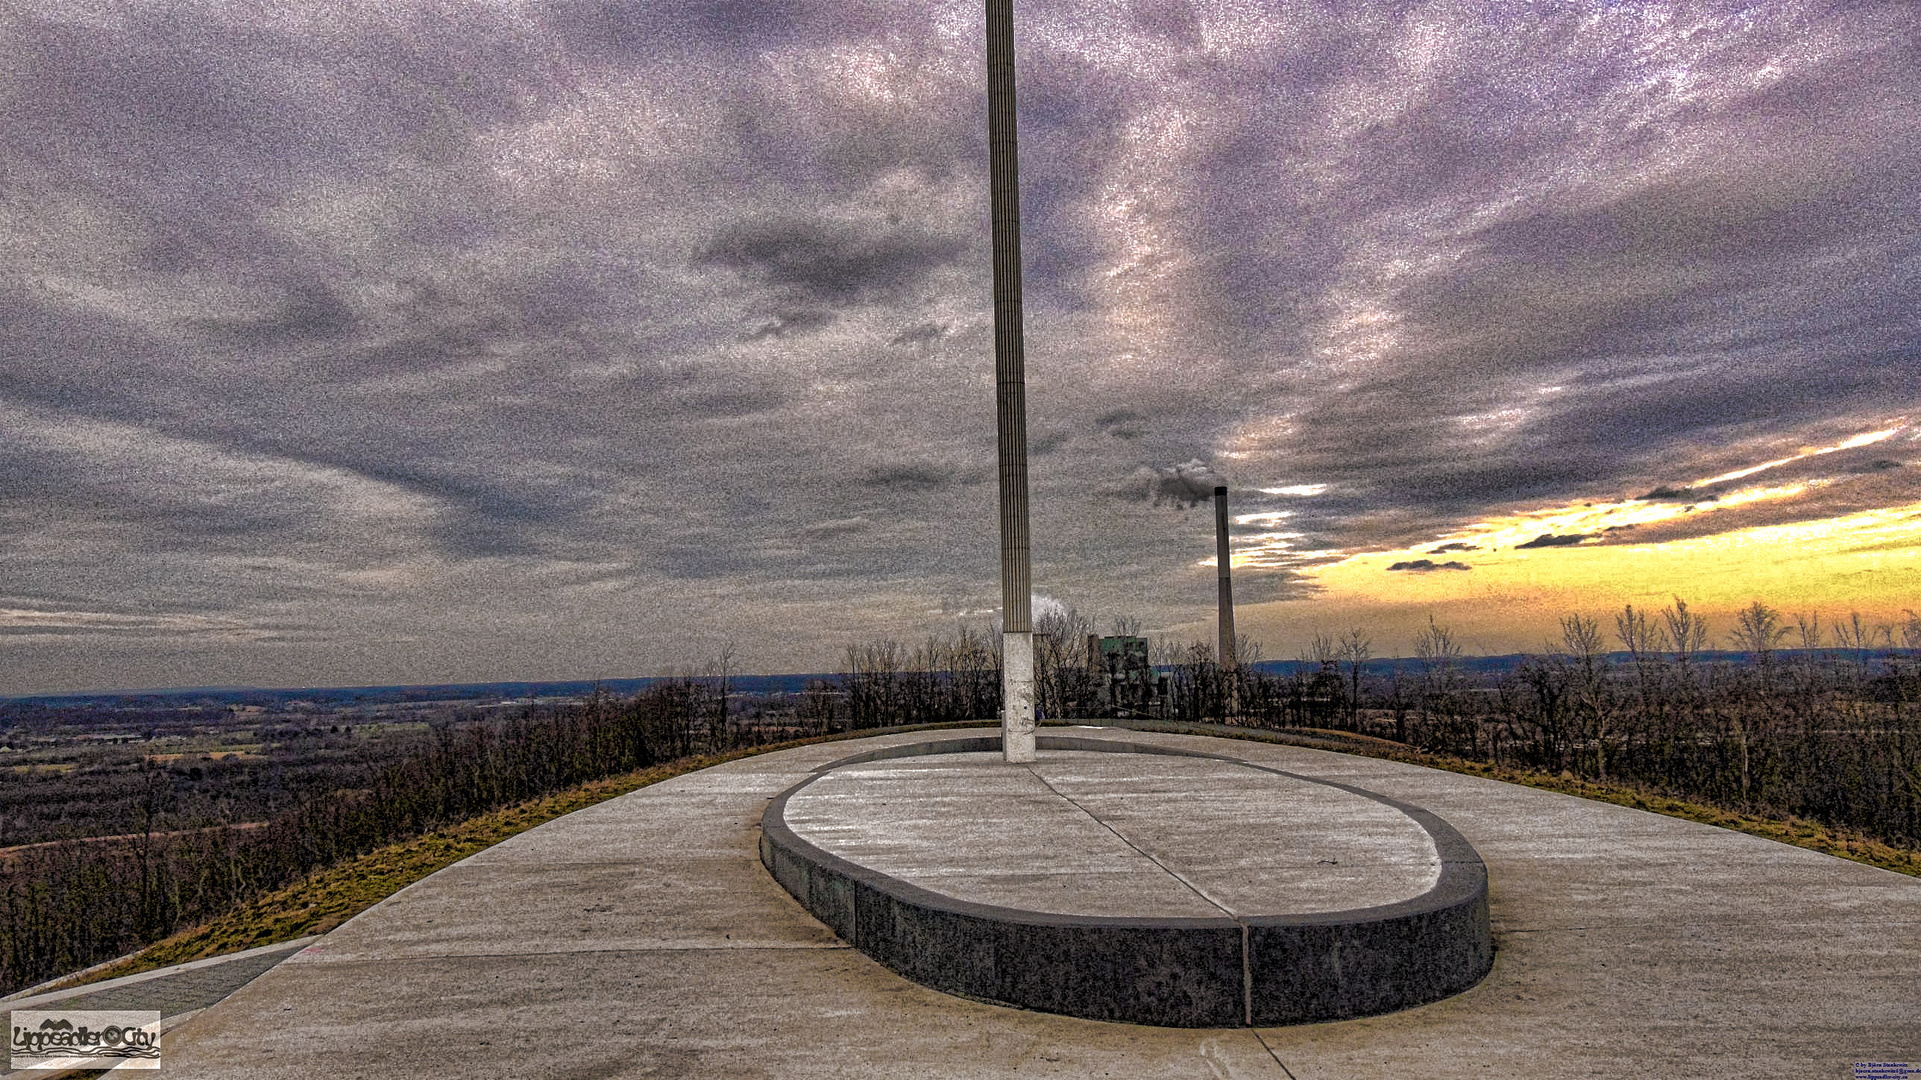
1817,720
956,676
1795,716
946,679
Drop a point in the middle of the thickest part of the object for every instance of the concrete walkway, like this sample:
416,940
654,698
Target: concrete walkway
641,937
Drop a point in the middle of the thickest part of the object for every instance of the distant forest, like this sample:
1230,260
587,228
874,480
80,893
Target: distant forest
1795,717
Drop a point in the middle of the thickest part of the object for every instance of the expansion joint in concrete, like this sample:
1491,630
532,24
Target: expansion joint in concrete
1270,1052
1137,849
1247,963
1247,973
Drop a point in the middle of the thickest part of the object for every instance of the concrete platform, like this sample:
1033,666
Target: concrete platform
1109,834
1127,881
642,938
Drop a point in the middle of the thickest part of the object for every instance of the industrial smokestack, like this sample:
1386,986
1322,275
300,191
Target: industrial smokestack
1004,204
1226,578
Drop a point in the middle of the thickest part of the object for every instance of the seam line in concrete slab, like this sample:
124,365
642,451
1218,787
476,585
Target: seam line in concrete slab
1247,962
1247,973
1270,1051
1139,850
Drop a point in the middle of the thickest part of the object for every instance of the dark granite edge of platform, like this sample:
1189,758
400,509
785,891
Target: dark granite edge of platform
1178,972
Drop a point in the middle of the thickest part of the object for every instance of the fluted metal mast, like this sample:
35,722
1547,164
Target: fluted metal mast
1017,628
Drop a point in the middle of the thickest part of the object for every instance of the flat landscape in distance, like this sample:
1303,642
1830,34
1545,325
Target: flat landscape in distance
118,762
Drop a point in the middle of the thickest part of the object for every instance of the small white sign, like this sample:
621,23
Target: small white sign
86,1039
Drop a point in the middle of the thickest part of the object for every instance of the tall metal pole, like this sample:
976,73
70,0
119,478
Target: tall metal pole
1226,579
1017,628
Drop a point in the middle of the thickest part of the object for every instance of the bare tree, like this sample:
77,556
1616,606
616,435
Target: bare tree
1758,632
1060,638
1355,648
1581,637
721,666
1643,639
1247,651
1323,649
1196,686
872,678
1637,634
1856,636
1808,672
1808,629
1687,632
1440,656
1436,646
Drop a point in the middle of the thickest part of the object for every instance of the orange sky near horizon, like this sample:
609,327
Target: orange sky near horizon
1756,533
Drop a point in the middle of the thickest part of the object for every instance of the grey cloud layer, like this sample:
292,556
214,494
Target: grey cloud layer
572,338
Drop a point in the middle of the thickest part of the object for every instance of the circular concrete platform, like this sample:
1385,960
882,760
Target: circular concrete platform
1123,881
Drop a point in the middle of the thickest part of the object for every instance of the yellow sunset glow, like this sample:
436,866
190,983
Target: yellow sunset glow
1857,559
1504,583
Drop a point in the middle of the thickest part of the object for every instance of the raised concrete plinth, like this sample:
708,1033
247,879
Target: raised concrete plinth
1124,881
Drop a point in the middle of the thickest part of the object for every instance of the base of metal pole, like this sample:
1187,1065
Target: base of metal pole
1017,696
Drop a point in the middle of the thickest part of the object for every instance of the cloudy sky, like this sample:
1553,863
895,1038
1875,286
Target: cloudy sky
368,343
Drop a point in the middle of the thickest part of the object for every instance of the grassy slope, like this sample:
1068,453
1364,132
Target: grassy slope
328,898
